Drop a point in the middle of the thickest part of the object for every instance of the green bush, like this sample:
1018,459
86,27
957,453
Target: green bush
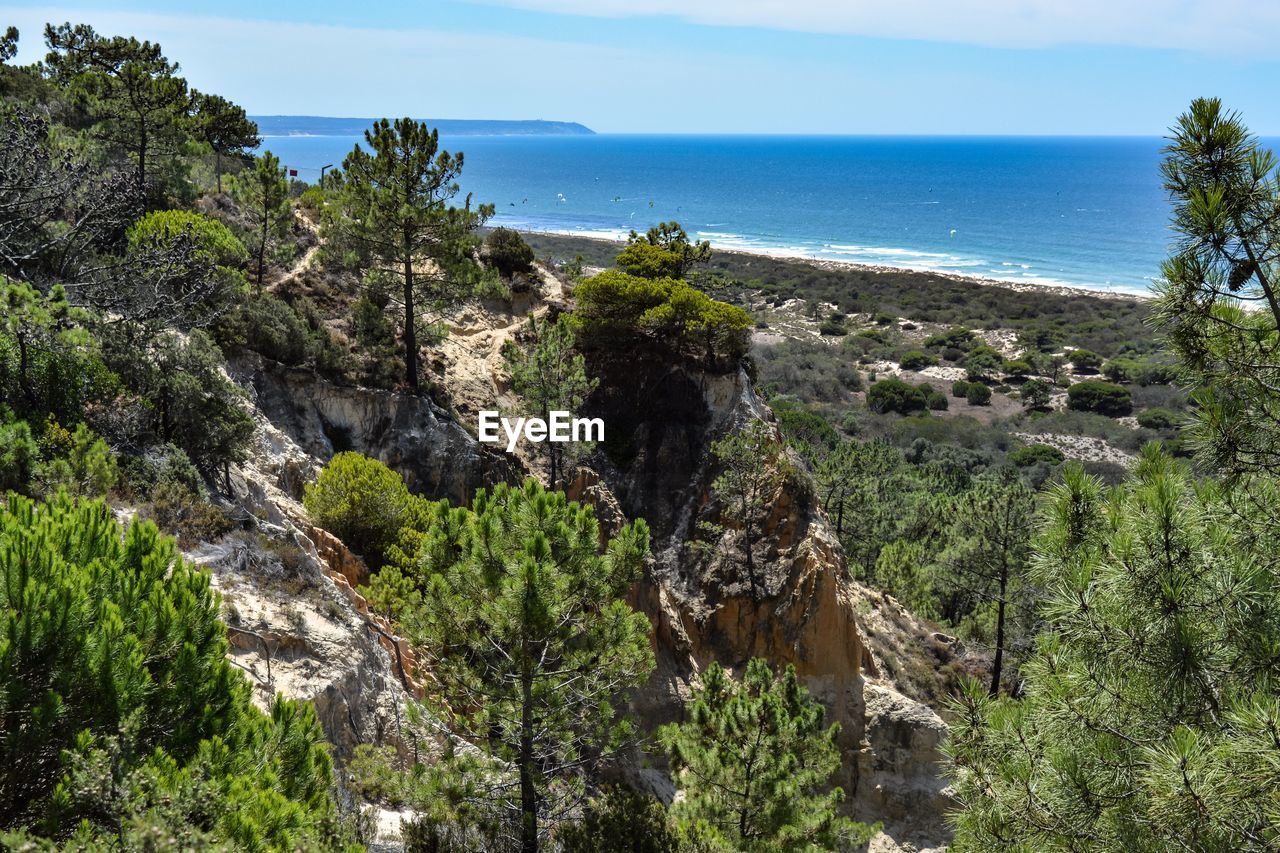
894,395
213,241
184,512
1085,361
87,468
621,819
982,362
362,502
507,252
977,394
832,327
1035,394
19,456
959,388
1158,418
937,401
614,308
1018,367
194,403
134,720
916,360
1104,398
1033,454
957,337
290,333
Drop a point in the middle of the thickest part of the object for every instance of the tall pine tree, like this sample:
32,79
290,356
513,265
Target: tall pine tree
530,642
754,763
396,211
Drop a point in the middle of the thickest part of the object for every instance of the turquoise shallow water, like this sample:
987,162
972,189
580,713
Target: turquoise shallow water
1069,210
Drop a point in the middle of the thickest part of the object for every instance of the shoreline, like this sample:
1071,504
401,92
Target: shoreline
1056,288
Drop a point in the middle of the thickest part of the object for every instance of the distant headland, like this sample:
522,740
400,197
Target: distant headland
328,126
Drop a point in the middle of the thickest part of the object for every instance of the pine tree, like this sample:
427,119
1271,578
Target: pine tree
1219,303
224,127
548,375
753,763
988,555
132,94
118,705
529,640
1150,708
752,460
395,210
264,193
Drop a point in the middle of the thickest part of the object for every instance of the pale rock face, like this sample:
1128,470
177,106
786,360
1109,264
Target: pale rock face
412,435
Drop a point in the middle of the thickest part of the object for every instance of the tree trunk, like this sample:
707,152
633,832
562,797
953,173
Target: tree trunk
24,373
410,332
217,167
998,664
262,245
528,795
142,160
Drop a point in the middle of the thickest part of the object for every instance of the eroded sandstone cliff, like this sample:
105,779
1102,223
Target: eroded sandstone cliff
656,464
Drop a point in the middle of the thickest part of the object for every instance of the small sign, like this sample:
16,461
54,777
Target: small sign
293,173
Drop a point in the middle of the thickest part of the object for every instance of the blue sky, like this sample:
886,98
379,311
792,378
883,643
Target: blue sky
721,66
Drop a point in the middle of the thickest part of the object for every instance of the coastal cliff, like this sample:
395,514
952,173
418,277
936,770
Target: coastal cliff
657,465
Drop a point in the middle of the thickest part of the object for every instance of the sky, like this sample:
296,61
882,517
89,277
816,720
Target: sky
1094,67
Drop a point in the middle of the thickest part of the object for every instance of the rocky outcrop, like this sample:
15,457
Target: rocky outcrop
655,463
410,434
293,631
901,783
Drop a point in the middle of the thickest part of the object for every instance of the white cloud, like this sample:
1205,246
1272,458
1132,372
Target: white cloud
1217,26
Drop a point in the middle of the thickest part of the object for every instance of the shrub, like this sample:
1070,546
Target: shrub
957,337
213,241
1158,418
362,502
937,401
615,307
884,319
832,328
977,394
1035,394
268,325
134,721
1104,398
183,512
19,456
88,468
1018,367
916,360
507,252
621,819
197,407
1033,454
1085,361
959,388
894,395
982,362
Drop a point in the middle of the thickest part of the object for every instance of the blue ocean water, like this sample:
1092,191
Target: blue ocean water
1071,210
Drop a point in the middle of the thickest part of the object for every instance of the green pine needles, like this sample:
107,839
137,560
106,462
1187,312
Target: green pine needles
121,719
522,618
753,762
1150,718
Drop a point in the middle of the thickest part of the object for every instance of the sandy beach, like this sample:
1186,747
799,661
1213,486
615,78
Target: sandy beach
1055,288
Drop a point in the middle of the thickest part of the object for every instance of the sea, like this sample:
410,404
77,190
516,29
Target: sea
1079,211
